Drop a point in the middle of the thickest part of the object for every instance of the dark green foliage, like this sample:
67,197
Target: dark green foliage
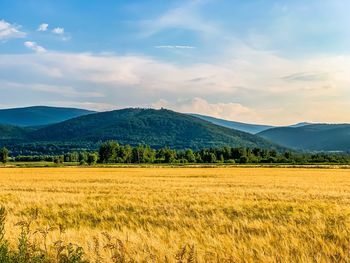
4,155
58,159
189,156
143,154
71,157
157,128
108,151
74,254
39,115
92,158
10,133
115,153
166,155
316,137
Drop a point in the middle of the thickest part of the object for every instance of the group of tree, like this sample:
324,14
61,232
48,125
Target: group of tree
113,152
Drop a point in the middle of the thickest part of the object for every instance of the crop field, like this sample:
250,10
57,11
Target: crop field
182,214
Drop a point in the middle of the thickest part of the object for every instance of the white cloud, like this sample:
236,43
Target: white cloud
58,30
246,85
65,91
8,31
34,46
43,27
175,47
228,111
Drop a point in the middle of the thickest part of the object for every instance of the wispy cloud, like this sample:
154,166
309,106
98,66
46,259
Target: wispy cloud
307,76
8,31
61,33
43,27
65,91
175,47
58,30
185,17
34,46
84,105
247,85
229,111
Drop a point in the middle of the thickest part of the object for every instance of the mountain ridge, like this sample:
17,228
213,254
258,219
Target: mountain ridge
39,115
157,128
246,127
314,137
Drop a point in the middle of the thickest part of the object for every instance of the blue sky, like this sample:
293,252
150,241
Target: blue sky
263,61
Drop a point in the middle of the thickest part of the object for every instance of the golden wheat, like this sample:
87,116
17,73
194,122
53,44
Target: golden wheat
185,214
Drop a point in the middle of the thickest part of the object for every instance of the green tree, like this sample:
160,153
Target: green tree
108,152
189,156
169,155
82,158
58,159
4,155
143,154
124,154
92,158
243,159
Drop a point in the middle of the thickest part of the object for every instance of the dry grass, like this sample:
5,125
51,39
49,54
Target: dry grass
219,214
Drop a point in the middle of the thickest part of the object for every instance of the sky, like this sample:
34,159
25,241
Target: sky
259,61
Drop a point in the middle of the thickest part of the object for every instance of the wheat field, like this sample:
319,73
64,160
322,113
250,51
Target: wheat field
184,214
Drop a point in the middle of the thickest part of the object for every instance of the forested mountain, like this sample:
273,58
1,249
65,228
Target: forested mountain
9,132
318,137
157,128
246,127
38,115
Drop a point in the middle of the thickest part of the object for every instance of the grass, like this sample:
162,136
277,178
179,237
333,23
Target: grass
181,214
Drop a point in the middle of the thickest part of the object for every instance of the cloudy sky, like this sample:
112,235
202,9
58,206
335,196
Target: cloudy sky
262,61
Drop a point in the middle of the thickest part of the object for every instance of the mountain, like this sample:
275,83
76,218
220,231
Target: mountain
301,124
38,115
157,128
316,137
246,127
9,132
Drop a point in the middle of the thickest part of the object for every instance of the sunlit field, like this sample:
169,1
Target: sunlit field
183,214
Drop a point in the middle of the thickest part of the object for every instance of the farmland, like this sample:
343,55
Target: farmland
183,214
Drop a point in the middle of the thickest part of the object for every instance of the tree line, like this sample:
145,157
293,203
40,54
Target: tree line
112,152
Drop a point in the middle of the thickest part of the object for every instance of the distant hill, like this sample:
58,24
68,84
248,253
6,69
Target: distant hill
9,132
38,115
301,124
246,127
157,128
317,137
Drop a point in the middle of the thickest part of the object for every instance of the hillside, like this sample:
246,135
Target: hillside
318,137
8,132
246,127
157,128
301,124
38,115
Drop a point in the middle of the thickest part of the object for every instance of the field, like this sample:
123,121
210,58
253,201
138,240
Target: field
183,214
